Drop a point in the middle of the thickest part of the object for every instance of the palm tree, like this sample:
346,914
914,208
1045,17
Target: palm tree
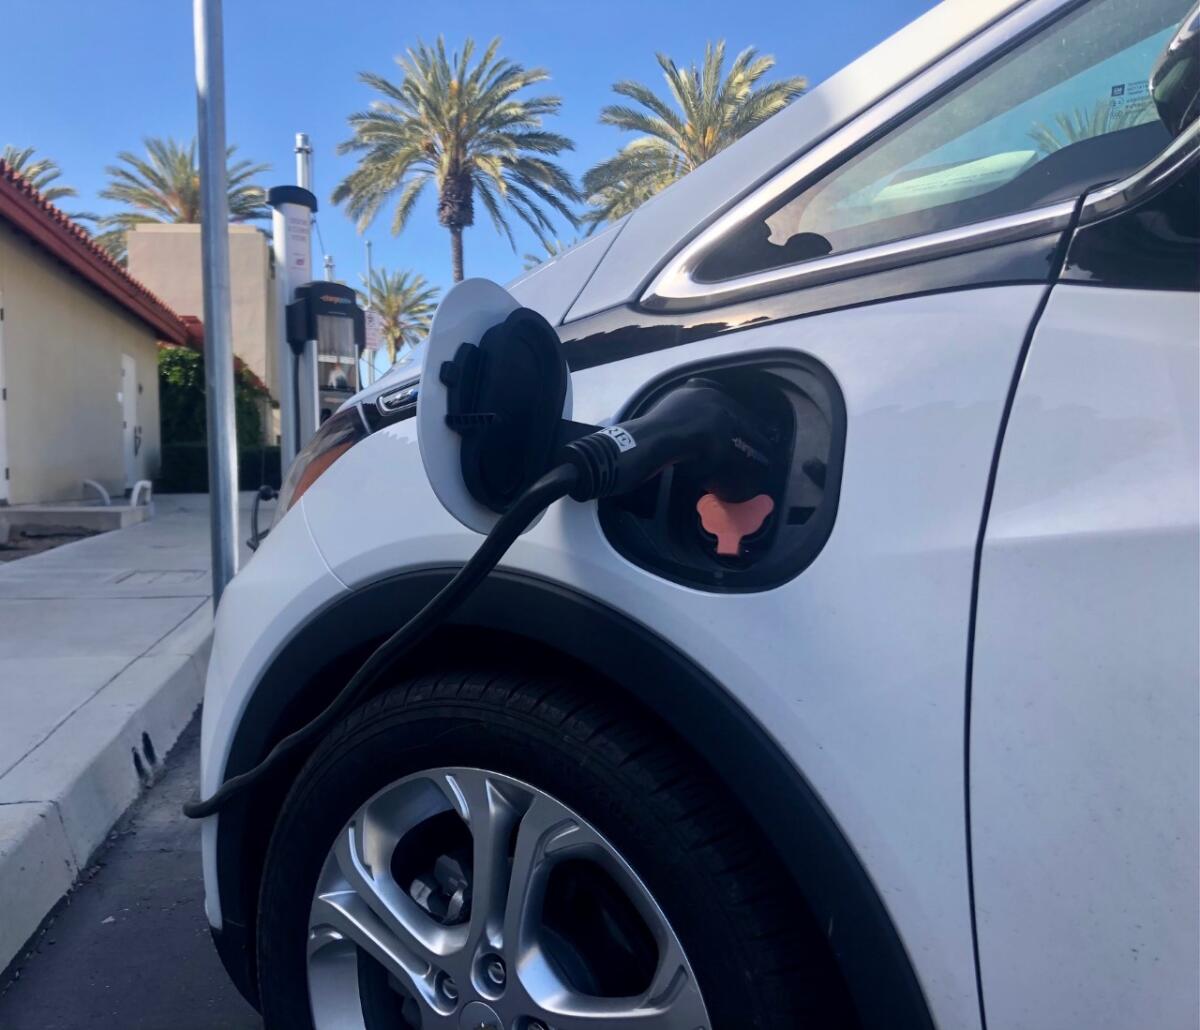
39,172
406,302
714,110
463,128
165,187
552,250
1073,126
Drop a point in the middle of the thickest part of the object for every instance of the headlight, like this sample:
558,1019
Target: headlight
338,434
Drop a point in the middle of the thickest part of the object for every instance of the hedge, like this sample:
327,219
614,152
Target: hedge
185,468
182,404
184,426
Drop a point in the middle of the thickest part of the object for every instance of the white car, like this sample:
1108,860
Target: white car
919,749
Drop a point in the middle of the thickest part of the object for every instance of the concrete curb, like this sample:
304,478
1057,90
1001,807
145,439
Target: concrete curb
74,516
58,804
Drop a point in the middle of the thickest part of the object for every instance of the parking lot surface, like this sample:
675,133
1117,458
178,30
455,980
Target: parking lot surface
129,948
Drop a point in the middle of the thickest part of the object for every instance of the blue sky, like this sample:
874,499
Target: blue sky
89,79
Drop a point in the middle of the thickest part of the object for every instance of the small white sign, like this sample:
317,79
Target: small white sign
374,330
297,221
621,437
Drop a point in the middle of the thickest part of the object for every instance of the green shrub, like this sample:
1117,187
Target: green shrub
182,399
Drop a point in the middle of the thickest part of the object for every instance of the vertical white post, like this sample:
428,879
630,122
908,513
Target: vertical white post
306,388
307,368
218,326
285,359
291,226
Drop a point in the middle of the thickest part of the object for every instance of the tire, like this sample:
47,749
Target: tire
751,946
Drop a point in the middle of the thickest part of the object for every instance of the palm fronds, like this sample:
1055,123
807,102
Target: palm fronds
707,110
460,127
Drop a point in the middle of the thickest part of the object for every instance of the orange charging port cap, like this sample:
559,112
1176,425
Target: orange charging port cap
732,521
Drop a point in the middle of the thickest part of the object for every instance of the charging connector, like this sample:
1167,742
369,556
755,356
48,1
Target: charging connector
697,423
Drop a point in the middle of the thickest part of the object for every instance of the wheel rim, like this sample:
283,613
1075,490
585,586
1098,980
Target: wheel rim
484,903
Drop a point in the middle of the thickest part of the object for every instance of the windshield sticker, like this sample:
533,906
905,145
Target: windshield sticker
1127,100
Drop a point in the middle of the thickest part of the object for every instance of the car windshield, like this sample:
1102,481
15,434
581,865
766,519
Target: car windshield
1063,112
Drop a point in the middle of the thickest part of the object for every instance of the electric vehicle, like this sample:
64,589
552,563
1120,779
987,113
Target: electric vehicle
905,733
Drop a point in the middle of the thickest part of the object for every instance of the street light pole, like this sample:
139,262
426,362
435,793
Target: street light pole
218,326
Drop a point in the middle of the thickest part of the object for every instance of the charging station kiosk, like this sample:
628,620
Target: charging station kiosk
325,323
291,230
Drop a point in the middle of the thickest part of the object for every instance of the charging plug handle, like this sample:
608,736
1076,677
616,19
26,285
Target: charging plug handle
697,424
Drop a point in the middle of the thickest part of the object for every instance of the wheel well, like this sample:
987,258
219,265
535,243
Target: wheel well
538,627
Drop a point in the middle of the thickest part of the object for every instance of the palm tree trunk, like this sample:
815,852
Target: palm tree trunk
456,259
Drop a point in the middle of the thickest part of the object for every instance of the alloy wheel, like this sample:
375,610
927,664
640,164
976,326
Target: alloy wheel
467,899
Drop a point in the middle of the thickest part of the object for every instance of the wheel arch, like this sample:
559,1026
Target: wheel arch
522,619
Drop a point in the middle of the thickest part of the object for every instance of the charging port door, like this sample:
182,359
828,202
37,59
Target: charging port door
469,472
673,527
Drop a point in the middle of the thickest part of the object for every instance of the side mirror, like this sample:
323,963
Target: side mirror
1175,79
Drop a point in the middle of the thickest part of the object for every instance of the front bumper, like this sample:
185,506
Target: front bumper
260,609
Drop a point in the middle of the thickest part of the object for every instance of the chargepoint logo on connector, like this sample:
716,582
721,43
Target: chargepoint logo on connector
753,453
621,437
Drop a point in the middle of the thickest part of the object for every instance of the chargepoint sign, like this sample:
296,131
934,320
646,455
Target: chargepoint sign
298,226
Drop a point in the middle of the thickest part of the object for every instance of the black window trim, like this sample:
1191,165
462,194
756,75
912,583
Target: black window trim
1147,182
674,286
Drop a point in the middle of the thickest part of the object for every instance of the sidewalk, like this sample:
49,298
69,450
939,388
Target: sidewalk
103,650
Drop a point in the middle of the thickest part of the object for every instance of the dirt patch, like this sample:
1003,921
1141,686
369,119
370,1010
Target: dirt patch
26,540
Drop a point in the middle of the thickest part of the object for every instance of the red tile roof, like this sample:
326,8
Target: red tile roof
27,210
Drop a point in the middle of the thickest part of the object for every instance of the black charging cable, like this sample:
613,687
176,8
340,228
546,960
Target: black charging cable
555,484
697,422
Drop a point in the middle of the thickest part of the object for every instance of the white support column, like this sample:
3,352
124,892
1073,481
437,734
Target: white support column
291,227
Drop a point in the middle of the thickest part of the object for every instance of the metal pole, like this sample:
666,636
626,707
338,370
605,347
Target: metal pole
329,268
303,161
218,326
373,355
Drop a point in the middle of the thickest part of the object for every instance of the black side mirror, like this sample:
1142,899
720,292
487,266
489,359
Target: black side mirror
1175,79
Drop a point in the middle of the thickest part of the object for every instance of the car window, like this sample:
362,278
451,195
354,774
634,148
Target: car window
1066,110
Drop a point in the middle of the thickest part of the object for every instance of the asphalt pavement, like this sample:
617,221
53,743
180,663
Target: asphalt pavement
129,947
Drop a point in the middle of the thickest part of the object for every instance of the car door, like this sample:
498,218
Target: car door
907,257
1085,708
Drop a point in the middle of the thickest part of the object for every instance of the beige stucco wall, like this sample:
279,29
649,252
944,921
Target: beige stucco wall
63,341
166,258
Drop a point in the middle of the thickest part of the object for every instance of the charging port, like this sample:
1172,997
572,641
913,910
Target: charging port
673,526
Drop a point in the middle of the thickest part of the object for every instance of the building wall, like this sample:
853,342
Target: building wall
166,259
63,342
